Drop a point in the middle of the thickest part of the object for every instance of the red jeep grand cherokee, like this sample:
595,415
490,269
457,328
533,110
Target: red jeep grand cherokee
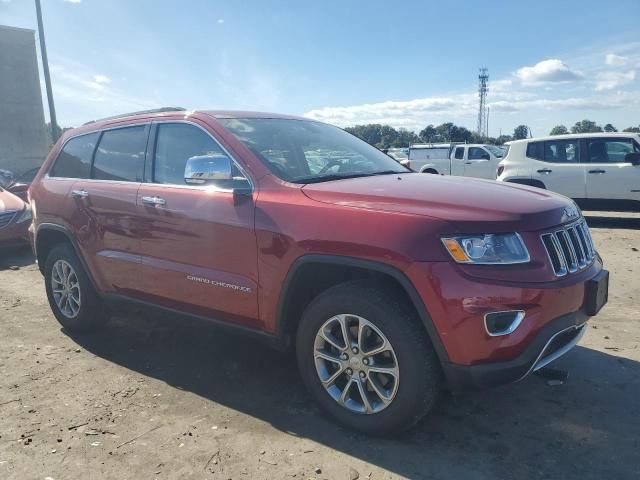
390,285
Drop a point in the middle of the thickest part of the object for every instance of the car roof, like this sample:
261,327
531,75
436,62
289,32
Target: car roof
431,145
574,135
164,112
224,114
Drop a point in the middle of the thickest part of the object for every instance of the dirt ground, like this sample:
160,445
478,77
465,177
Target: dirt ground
169,398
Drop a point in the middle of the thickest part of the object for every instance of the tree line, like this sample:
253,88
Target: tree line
589,126
385,136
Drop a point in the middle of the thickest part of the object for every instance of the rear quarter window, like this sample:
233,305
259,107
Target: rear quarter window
74,161
535,150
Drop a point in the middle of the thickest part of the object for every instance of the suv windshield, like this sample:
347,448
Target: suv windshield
302,151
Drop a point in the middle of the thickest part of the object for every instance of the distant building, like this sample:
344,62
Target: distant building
23,138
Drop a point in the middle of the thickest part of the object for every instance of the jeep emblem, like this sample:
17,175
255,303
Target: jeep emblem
571,212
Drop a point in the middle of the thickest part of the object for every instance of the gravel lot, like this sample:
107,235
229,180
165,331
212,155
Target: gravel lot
169,398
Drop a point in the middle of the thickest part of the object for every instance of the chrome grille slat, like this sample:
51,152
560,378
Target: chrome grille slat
589,239
6,217
584,242
580,254
569,248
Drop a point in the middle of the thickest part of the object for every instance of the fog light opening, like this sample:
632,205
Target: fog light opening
498,324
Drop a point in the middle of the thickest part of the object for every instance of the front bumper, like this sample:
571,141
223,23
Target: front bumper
554,340
555,314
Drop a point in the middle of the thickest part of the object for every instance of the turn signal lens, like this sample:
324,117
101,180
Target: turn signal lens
455,249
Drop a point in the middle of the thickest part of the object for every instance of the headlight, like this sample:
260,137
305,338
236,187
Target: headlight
25,215
487,249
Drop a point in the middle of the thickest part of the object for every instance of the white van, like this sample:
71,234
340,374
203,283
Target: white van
465,160
600,171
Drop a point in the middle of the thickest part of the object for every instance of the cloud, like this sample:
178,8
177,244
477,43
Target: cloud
82,95
462,108
408,114
73,1
611,80
547,71
221,20
101,79
615,60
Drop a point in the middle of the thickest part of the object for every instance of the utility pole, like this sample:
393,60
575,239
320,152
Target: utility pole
55,131
483,88
486,132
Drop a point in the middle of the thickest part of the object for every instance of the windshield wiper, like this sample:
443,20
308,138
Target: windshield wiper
386,172
328,178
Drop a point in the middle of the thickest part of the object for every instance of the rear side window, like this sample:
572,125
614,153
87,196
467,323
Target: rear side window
175,144
561,151
535,150
120,154
459,155
74,161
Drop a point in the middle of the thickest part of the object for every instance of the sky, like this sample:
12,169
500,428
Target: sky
403,63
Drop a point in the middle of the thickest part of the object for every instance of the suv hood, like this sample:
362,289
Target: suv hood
8,201
469,204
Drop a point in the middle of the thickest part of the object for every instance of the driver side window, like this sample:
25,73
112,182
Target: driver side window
476,153
175,144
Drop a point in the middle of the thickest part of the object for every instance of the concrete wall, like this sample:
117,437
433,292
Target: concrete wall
23,139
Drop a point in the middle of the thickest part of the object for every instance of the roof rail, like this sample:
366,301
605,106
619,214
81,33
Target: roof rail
153,110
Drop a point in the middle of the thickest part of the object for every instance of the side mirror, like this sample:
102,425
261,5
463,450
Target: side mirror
203,169
632,158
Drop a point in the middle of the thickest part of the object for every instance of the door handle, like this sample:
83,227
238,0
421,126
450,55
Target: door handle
79,193
157,201
545,170
597,171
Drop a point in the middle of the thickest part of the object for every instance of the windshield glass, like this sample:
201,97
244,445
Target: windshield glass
302,151
498,152
398,153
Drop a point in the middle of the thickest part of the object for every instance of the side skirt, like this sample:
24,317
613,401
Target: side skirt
125,303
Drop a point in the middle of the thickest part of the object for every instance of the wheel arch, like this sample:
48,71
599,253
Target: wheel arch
330,270
532,182
47,236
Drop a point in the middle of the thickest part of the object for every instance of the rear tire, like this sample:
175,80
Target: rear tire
394,401
71,295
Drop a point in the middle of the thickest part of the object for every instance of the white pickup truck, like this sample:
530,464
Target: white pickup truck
465,160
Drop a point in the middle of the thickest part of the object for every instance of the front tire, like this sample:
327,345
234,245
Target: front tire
366,359
71,295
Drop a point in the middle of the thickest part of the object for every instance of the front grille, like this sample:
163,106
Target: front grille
570,249
6,217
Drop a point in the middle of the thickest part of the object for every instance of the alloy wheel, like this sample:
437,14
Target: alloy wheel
356,364
65,287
